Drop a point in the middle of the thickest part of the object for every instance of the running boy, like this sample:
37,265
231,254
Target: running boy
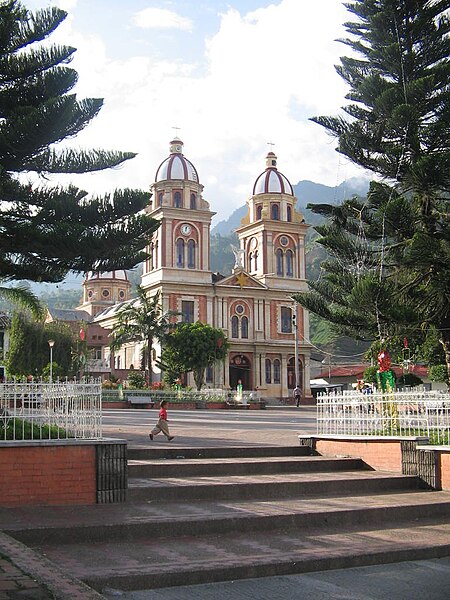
161,425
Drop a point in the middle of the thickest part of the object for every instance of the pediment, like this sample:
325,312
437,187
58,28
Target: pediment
241,279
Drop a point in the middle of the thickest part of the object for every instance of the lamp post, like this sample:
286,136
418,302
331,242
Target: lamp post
51,343
294,323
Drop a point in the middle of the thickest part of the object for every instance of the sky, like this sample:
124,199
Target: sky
228,77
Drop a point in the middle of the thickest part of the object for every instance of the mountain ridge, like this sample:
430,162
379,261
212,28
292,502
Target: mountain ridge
306,192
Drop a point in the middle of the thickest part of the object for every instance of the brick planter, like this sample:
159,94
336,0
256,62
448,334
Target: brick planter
410,456
57,472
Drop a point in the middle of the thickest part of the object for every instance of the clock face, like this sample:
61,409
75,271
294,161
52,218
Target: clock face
186,229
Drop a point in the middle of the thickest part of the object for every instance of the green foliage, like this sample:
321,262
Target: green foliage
192,347
387,271
408,380
18,429
370,375
47,231
29,350
141,320
439,373
136,380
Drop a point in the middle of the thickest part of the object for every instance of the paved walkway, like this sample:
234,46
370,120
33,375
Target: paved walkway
27,575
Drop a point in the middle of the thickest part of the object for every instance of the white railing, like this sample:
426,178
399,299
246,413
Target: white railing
61,410
411,413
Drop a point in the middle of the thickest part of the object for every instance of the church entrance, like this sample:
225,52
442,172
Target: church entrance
240,369
291,373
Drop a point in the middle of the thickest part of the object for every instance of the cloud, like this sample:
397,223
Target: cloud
161,18
264,74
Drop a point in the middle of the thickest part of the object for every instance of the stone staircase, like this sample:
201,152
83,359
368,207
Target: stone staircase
203,515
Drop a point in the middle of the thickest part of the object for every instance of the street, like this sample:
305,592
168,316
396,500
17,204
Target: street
277,426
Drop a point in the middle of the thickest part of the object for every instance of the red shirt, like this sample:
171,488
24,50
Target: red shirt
163,414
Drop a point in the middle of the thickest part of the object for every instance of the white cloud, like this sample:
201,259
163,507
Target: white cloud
266,73
161,18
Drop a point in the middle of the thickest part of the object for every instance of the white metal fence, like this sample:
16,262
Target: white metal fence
411,413
36,410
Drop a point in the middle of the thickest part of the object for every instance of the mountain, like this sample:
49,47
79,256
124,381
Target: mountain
306,192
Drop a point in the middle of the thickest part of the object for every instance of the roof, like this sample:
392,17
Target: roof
69,315
271,181
357,371
119,275
176,166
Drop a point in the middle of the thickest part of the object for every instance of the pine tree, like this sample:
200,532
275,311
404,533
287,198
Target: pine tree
46,231
389,265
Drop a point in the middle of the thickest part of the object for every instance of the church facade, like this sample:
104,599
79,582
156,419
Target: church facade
253,305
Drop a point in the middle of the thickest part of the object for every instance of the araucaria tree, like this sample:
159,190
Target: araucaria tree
142,320
193,347
46,231
389,266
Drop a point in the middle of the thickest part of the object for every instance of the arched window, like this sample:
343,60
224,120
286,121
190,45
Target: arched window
250,261
193,201
256,260
160,198
156,255
286,320
152,256
290,263
191,254
280,267
259,212
234,327
268,371
289,213
275,212
180,253
118,362
209,374
244,327
276,371
177,199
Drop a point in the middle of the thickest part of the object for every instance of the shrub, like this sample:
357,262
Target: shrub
439,373
136,380
370,375
408,379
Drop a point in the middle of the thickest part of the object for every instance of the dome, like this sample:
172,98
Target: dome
176,166
271,181
116,275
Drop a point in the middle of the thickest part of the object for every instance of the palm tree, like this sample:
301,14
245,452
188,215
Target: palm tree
23,298
142,320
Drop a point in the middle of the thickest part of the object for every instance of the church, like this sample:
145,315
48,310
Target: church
253,305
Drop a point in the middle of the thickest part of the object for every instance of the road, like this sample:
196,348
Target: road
196,428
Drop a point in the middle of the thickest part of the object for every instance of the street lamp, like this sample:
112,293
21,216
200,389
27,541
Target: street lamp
51,343
294,324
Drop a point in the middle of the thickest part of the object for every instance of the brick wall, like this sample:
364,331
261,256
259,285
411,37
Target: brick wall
380,454
47,475
445,470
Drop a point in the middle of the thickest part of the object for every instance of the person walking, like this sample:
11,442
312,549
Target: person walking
161,425
297,395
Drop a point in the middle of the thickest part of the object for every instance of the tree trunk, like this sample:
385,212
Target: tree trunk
198,377
445,341
149,362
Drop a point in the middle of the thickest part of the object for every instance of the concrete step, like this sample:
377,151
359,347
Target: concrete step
171,561
170,489
168,452
190,467
151,520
